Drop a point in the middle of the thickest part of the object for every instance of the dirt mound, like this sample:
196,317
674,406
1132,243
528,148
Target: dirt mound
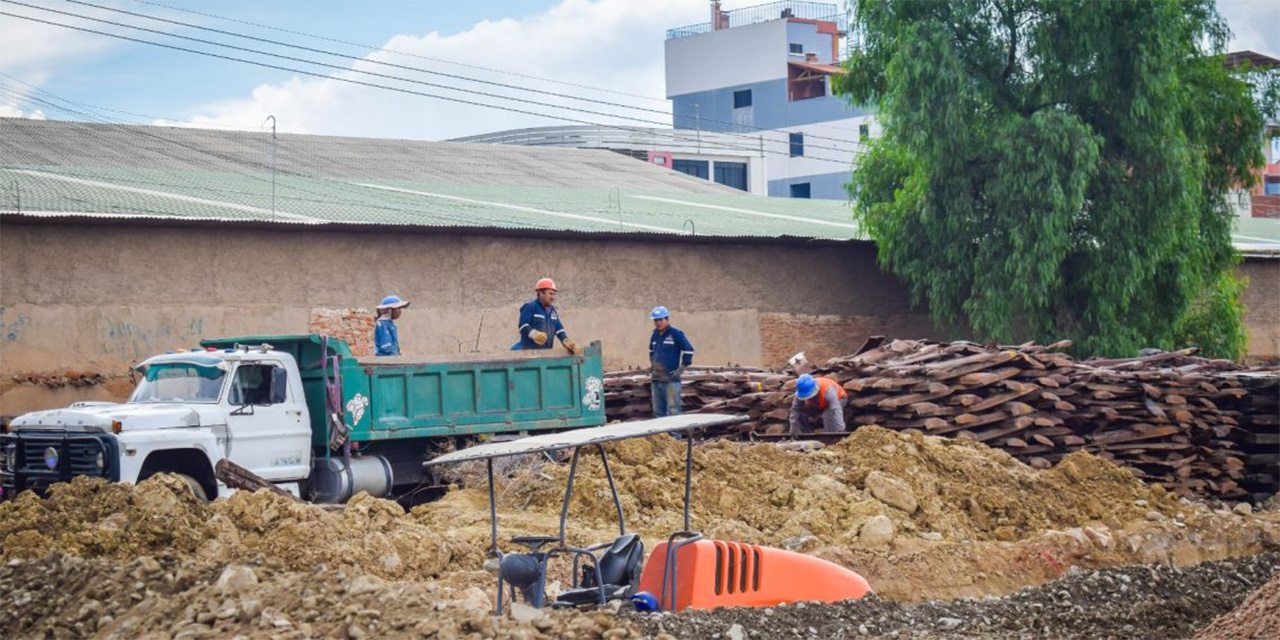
1145,601
1258,617
92,518
69,597
952,489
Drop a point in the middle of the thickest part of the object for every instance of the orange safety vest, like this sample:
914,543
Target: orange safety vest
823,385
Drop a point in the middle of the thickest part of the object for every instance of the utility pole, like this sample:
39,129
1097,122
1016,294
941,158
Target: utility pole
272,118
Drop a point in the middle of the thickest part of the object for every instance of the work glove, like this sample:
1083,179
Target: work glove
675,373
571,346
538,337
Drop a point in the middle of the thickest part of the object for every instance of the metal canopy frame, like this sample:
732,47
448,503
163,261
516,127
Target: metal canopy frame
577,440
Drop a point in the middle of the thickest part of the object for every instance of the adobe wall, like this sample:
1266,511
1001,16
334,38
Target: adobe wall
96,298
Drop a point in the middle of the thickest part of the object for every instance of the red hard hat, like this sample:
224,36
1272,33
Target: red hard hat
545,283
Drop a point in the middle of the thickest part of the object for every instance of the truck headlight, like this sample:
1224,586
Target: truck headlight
11,457
51,457
102,461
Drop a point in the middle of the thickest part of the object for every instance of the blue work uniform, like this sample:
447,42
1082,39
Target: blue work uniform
535,317
386,339
669,353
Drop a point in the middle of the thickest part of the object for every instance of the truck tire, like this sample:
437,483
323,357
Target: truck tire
195,487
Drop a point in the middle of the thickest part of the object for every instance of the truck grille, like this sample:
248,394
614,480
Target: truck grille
77,456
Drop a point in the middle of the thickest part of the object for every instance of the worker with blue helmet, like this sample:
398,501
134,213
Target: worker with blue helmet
818,396
386,339
669,353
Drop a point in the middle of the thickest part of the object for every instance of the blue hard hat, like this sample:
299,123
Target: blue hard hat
392,302
806,387
659,313
644,601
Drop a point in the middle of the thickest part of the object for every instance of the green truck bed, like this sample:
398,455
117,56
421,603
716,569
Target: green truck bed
408,397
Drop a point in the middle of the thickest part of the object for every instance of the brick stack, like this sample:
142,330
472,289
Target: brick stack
355,326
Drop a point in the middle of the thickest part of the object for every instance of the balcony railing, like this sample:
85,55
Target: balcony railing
765,12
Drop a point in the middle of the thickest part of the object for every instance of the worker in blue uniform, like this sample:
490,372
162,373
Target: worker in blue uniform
386,339
670,352
539,324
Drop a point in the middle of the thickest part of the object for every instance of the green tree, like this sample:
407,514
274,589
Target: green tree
1057,169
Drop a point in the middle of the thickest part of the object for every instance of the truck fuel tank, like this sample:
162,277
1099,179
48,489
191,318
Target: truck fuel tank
334,481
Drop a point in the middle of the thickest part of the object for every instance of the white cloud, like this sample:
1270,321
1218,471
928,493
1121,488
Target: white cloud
1249,20
608,44
33,52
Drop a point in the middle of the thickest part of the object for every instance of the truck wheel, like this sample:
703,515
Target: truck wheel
195,487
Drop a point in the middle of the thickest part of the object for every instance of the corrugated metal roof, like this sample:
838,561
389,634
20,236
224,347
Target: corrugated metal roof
87,170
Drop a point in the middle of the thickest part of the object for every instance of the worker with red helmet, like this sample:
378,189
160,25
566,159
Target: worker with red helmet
818,396
539,323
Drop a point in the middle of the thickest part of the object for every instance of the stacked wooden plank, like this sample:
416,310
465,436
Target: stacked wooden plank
1193,424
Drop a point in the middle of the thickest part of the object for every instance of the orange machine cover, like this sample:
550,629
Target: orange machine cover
716,573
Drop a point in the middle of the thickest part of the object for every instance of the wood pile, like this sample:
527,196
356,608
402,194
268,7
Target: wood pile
1195,425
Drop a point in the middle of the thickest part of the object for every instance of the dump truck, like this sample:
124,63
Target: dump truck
303,413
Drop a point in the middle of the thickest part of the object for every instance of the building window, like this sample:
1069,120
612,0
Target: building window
864,132
695,168
797,48
800,190
732,174
797,145
741,99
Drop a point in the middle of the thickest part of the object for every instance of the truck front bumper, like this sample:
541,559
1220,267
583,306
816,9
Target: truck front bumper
36,459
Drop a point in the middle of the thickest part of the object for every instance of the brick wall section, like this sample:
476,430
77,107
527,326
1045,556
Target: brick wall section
355,326
1266,206
821,337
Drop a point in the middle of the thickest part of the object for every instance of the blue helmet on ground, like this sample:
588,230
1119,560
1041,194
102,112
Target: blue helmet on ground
392,302
659,313
806,387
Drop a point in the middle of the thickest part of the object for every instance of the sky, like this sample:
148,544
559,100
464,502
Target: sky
609,51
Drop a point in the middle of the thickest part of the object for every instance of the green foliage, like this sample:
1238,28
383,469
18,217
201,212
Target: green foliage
1215,322
1055,169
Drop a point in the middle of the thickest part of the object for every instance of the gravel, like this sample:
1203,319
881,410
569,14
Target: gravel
1139,601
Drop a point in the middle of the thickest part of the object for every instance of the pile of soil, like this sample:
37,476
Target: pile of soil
950,518
61,596
958,490
1258,617
1143,601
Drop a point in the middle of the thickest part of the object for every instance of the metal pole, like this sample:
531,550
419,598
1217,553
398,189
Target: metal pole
617,503
688,476
568,492
493,514
273,163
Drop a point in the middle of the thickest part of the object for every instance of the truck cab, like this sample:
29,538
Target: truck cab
188,411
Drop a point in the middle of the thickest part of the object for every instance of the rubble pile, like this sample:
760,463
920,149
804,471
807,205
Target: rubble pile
1193,425
1257,618
1141,602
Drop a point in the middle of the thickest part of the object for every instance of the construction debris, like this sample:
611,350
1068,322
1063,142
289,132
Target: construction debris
1194,425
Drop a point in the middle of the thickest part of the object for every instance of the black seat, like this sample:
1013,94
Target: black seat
620,566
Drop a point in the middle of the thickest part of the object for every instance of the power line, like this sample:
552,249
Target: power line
401,53
382,75
411,91
406,67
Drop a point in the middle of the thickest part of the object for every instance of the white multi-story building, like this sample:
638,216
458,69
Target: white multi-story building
765,72
752,105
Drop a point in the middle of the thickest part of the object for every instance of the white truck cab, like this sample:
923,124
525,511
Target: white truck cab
188,411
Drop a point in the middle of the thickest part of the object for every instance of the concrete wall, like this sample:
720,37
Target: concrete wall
730,57
97,298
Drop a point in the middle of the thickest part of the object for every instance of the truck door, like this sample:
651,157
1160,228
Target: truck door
267,423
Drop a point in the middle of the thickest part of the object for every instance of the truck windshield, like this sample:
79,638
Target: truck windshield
179,382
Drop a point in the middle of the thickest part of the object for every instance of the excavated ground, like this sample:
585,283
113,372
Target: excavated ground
920,518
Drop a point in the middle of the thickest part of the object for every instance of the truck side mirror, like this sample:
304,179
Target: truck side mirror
279,384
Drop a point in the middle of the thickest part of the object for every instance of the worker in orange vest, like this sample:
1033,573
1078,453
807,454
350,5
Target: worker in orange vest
814,395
